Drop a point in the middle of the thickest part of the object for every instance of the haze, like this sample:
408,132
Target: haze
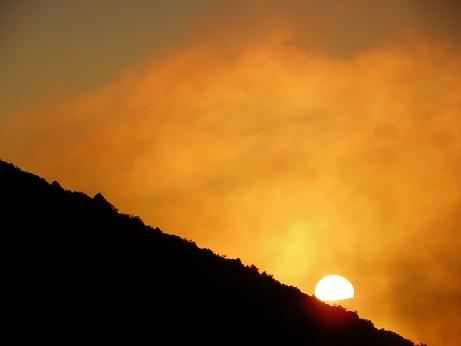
305,138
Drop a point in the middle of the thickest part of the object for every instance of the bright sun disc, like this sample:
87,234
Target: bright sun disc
334,287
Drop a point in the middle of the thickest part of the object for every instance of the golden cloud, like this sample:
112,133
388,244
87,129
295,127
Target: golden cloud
301,163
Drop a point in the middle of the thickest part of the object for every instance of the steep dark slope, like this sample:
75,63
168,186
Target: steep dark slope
76,269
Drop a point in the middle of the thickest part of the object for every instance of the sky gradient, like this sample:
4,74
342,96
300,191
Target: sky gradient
305,138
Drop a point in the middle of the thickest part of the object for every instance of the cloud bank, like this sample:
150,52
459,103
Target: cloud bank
300,161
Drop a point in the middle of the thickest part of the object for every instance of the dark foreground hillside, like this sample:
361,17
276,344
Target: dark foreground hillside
77,270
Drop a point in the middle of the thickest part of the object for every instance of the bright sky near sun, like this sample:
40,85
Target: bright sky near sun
306,137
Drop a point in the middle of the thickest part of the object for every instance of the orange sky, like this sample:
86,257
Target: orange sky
307,139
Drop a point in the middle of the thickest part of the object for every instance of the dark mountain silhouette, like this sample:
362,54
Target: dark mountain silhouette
77,270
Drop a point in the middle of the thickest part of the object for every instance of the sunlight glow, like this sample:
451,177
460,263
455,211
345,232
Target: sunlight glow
334,287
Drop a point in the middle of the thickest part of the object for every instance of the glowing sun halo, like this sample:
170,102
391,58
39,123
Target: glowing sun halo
334,287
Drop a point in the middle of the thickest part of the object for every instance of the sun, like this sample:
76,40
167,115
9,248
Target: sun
334,287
